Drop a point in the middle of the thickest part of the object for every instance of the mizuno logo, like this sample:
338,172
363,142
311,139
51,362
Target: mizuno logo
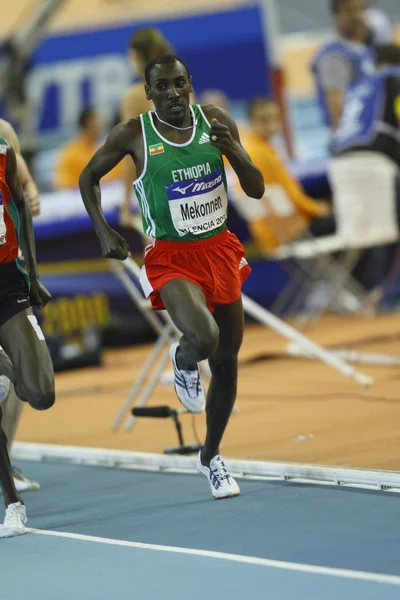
206,185
243,263
204,138
183,190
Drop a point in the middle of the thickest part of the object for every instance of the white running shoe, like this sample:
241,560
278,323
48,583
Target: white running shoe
14,522
222,483
188,385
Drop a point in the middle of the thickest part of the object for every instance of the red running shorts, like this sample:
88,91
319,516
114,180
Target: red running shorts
217,265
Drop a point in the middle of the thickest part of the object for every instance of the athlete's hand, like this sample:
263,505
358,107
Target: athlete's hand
38,294
113,245
221,137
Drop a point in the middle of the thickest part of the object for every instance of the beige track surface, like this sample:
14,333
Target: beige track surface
279,398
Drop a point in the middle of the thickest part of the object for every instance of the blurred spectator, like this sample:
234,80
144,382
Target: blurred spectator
215,97
145,44
366,161
280,187
75,155
219,98
379,24
341,62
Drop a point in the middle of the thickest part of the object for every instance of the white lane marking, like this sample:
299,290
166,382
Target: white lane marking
250,560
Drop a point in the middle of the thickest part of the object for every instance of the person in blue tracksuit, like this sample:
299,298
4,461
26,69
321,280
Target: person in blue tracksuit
365,159
342,61
371,111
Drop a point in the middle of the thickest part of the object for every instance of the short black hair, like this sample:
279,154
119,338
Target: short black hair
84,116
256,102
387,53
164,59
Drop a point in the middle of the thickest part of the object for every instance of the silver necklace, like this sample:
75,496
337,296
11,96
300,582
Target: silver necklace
173,126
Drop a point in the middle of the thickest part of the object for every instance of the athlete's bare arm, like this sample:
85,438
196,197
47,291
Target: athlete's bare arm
125,139
29,186
38,294
227,140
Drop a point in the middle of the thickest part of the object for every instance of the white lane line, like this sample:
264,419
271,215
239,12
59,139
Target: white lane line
250,560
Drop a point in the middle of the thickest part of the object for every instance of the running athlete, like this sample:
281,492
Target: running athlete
27,362
12,405
195,267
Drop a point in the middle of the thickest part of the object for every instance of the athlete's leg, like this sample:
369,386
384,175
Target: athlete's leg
25,345
12,413
15,517
187,306
10,494
224,368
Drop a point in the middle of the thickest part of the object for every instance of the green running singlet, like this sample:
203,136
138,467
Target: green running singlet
182,191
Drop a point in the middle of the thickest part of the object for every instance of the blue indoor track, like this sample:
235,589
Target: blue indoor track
105,533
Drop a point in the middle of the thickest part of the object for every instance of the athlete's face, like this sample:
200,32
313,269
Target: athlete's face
170,88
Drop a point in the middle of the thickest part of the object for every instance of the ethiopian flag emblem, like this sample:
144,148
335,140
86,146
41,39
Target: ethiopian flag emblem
156,149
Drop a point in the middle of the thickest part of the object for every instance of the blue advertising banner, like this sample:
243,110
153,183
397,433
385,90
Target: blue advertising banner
225,50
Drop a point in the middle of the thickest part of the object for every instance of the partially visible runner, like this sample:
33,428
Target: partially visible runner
194,267
27,362
13,407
